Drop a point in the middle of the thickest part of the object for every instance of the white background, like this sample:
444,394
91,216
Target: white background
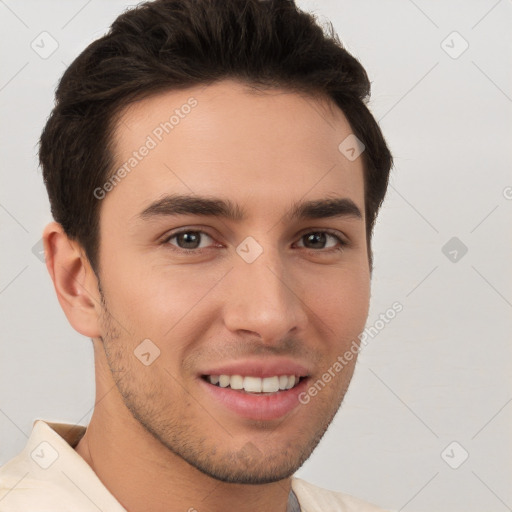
441,370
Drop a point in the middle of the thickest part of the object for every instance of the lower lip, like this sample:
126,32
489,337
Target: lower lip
253,406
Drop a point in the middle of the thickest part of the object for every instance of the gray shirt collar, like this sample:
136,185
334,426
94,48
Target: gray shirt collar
293,503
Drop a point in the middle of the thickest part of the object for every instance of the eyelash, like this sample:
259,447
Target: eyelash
340,247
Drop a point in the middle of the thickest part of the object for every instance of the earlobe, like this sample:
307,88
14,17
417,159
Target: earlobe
74,281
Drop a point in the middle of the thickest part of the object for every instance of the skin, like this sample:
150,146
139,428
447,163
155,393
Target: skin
155,440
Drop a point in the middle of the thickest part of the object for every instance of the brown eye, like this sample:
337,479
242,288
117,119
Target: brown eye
319,239
188,240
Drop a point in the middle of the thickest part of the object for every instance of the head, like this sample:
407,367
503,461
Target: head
245,104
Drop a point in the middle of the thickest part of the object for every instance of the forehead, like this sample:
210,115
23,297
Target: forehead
227,140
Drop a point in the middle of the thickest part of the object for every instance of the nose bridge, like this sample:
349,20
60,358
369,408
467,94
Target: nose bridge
262,299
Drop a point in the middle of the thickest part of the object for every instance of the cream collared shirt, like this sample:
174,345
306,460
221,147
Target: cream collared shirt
48,475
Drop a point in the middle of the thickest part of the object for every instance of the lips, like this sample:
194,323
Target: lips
259,368
256,389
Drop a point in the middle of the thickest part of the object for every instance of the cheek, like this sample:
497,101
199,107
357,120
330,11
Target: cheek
340,300
156,300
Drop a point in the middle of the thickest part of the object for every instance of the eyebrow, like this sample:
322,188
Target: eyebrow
172,205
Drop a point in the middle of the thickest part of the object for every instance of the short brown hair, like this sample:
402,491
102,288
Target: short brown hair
174,44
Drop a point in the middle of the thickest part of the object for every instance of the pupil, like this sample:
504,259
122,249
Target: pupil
189,238
316,237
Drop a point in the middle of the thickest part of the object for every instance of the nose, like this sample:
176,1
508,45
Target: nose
263,299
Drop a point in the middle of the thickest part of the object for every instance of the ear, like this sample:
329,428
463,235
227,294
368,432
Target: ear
74,280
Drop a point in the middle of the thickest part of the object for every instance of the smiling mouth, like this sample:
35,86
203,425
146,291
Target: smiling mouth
254,385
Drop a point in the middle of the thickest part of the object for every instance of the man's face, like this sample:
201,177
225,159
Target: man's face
265,295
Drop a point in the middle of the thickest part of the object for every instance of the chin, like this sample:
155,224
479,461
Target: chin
249,476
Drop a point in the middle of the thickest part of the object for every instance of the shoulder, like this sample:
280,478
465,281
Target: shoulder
19,488
313,498
47,475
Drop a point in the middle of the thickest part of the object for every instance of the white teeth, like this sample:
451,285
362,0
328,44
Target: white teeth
224,381
255,384
270,384
252,384
236,382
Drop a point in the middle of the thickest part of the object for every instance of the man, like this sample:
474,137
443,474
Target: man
214,175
